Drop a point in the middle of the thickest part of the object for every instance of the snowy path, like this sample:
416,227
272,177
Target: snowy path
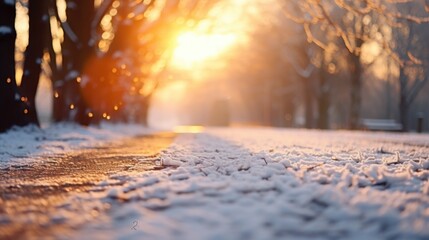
34,191
263,184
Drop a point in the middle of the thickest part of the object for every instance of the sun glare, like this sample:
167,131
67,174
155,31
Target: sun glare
193,47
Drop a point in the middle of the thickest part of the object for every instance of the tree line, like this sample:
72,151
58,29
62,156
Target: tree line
316,58
103,56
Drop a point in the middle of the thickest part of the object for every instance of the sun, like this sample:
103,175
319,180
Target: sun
193,48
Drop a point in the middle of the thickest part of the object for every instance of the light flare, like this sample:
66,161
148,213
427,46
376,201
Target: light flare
189,129
194,47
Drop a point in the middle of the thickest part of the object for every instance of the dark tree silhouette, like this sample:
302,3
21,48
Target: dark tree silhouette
90,84
37,41
12,109
323,98
69,105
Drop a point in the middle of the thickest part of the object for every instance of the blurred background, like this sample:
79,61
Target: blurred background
301,64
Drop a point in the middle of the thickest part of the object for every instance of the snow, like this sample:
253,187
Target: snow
9,2
257,184
72,75
5,30
29,145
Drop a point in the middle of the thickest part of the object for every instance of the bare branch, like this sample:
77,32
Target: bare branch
311,38
414,91
101,12
65,26
337,28
301,71
414,60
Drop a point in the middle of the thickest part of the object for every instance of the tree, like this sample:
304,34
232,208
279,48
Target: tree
132,65
411,47
76,49
37,42
355,23
95,74
323,97
12,108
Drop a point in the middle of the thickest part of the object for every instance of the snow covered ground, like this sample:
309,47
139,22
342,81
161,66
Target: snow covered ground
263,184
29,145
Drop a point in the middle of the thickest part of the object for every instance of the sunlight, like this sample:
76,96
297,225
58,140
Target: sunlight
194,47
188,129
163,114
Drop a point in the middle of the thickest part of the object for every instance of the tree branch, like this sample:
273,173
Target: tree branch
415,89
65,26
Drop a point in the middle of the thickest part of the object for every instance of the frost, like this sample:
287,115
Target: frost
263,184
179,177
392,160
56,139
17,97
425,188
72,75
170,162
4,30
9,2
425,164
116,193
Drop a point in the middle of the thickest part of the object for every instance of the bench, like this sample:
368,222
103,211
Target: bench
389,125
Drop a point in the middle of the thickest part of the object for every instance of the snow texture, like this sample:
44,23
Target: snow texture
29,145
265,184
9,2
5,30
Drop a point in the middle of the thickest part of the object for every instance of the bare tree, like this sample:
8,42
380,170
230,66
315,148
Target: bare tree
410,43
12,108
76,49
82,93
37,42
355,23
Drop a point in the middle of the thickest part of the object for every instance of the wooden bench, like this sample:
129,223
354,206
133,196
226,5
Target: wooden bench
389,125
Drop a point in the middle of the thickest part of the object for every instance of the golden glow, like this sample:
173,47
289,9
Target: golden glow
173,90
116,4
71,106
188,129
193,47
113,12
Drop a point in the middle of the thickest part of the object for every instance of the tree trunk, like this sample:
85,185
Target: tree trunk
11,107
403,99
356,90
38,30
69,103
323,100
289,109
308,95
144,111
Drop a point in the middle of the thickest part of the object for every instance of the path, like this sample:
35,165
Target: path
245,184
30,192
